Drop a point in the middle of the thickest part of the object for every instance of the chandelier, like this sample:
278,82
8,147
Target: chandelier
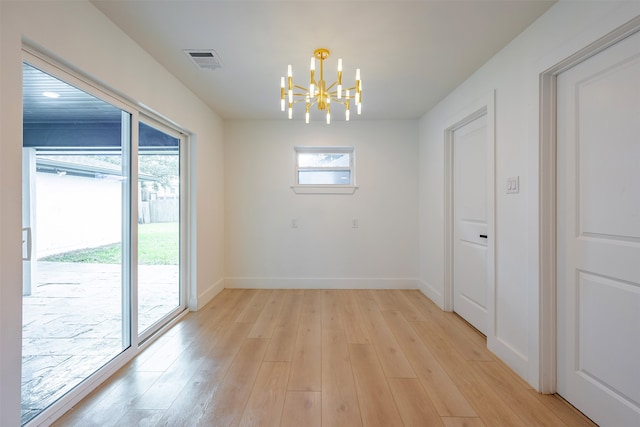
318,93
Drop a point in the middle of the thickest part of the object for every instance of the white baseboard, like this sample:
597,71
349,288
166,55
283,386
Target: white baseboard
502,349
204,298
319,283
432,293
509,355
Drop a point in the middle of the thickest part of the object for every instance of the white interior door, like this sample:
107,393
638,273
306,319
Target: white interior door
470,222
599,235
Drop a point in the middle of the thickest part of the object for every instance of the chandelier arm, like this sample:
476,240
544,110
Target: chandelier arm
301,88
295,101
332,86
334,96
338,101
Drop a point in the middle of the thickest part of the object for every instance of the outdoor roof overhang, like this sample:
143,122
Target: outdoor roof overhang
60,167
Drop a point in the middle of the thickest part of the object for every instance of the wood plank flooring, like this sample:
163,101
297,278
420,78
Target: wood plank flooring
307,358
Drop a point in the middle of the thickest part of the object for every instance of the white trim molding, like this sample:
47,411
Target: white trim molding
432,293
206,297
324,189
320,283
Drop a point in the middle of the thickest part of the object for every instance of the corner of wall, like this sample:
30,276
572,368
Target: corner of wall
206,297
431,293
509,355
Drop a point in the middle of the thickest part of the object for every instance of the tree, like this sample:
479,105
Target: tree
165,168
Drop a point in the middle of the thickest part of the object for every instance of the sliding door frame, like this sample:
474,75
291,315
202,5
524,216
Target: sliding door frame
183,221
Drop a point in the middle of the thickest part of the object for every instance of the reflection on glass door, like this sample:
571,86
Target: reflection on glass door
76,220
159,290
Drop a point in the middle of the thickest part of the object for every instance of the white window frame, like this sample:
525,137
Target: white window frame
325,188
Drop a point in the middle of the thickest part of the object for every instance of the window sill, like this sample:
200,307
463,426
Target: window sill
324,189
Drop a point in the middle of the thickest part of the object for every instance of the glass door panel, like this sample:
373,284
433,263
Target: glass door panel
159,284
76,221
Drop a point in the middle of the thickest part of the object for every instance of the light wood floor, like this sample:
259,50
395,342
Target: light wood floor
320,358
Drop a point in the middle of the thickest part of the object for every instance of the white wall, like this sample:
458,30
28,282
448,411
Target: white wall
514,74
77,33
262,250
75,212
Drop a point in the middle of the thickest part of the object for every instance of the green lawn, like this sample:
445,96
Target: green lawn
158,244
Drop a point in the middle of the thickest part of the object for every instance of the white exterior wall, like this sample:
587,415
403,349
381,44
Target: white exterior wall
514,74
74,212
263,250
77,33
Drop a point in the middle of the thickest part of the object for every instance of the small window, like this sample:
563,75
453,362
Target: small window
324,170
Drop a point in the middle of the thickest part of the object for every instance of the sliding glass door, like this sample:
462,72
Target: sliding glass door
75,221
101,231
159,290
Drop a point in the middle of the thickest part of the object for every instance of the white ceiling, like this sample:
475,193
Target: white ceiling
411,53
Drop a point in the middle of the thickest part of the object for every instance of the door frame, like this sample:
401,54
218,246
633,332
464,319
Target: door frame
547,272
483,106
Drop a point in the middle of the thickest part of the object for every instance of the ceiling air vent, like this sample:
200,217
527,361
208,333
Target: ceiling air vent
205,59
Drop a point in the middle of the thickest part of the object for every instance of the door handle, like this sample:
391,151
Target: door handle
28,241
483,236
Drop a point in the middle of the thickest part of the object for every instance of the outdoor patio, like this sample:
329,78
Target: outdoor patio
72,324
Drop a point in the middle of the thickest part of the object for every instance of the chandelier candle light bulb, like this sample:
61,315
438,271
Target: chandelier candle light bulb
346,106
320,93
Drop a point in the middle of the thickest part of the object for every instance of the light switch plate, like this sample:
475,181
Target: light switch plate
513,184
